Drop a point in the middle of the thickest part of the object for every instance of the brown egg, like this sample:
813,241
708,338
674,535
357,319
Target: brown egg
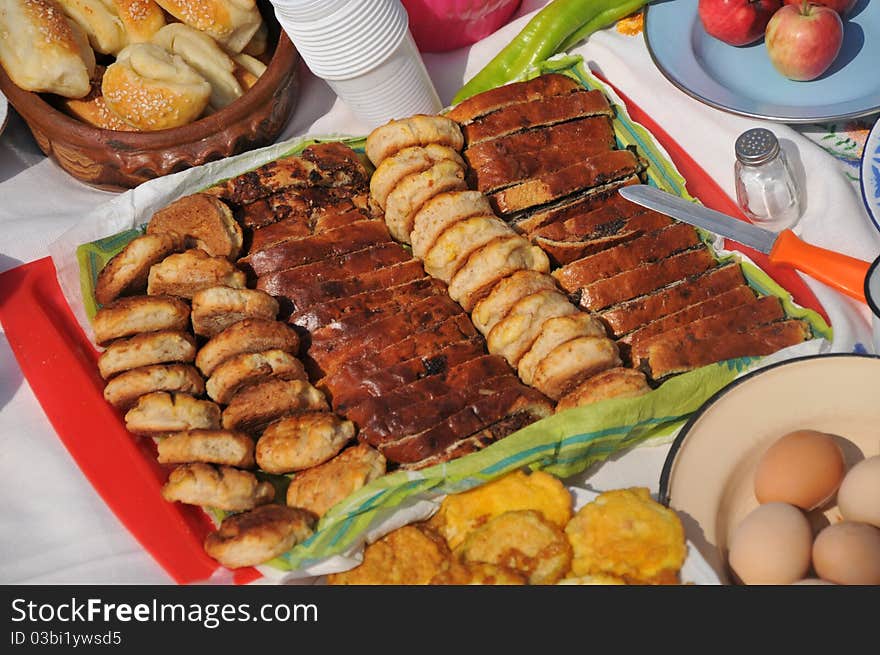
848,553
803,468
859,495
771,545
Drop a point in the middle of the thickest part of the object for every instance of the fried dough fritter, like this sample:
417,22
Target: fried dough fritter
302,441
161,412
442,211
146,349
626,534
555,332
456,243
504,295
132,315
127,271
254,537
414,191
246,369
412,555
124,390
522,540
248,336
404,163
418,130
614,383
321,487
477,573
216,308
461,513
220,487
256,406
209,446
186,273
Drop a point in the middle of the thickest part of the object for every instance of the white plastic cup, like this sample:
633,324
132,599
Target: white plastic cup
364,50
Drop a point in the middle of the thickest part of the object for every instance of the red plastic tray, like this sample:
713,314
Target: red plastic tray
59,362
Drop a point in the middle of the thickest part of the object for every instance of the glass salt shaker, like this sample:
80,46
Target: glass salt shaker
765,188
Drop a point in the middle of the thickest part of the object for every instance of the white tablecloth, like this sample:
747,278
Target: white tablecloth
53,526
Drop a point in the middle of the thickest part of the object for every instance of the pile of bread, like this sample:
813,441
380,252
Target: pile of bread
493,272
179,323
134,65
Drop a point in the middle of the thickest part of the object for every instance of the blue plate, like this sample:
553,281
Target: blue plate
743,81
870,174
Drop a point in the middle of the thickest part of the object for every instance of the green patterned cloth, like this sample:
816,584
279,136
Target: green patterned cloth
564,444
845,141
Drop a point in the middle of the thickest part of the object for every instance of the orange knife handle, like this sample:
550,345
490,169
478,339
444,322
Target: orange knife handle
841,272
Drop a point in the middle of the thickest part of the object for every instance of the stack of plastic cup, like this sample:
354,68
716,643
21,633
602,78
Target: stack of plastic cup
365,52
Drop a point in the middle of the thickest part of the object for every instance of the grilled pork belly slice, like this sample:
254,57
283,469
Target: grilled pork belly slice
457,242
339,267
666,357
341,309
385,331
417,415
505,294
298,252
478,415
422,344
493,262
548,111
466,377
544,86
323,164
591,172
302,226
635,313
736,319
295,296
513,335
651,247
382,381
614,383
604,196
440,212
740,295
329,349
326,313
597,131
644,279
572,362
555,332
516,168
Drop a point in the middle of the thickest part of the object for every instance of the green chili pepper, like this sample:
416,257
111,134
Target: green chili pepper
559,23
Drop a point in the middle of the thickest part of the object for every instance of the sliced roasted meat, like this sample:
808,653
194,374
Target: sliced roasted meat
651,247
324,314
330,353
418,345
382,381
302,226
294,295
740,295
513,169
736,319
335,268
298,252
374,412
635,313
582,203
596,131
323,164
477,415
298,202
645,278
548,111
665,356
588,173
544,86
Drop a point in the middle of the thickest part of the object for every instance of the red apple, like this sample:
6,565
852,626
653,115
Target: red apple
737,22
840,6
803,40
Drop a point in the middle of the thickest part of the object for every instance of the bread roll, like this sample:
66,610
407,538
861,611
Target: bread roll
141,19
92,109
231,22
247,70
152,89
207,58
42,50
101,23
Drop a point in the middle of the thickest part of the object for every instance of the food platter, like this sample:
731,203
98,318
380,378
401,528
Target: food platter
708,474
183,558
742,80
870,175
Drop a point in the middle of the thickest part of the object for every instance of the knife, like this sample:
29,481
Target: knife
841,272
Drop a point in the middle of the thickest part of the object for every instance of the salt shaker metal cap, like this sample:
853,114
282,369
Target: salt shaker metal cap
756,146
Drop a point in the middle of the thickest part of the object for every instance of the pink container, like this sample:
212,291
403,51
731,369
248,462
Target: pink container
440,25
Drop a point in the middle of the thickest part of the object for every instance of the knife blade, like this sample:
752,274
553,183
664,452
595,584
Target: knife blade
841,272
700,216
